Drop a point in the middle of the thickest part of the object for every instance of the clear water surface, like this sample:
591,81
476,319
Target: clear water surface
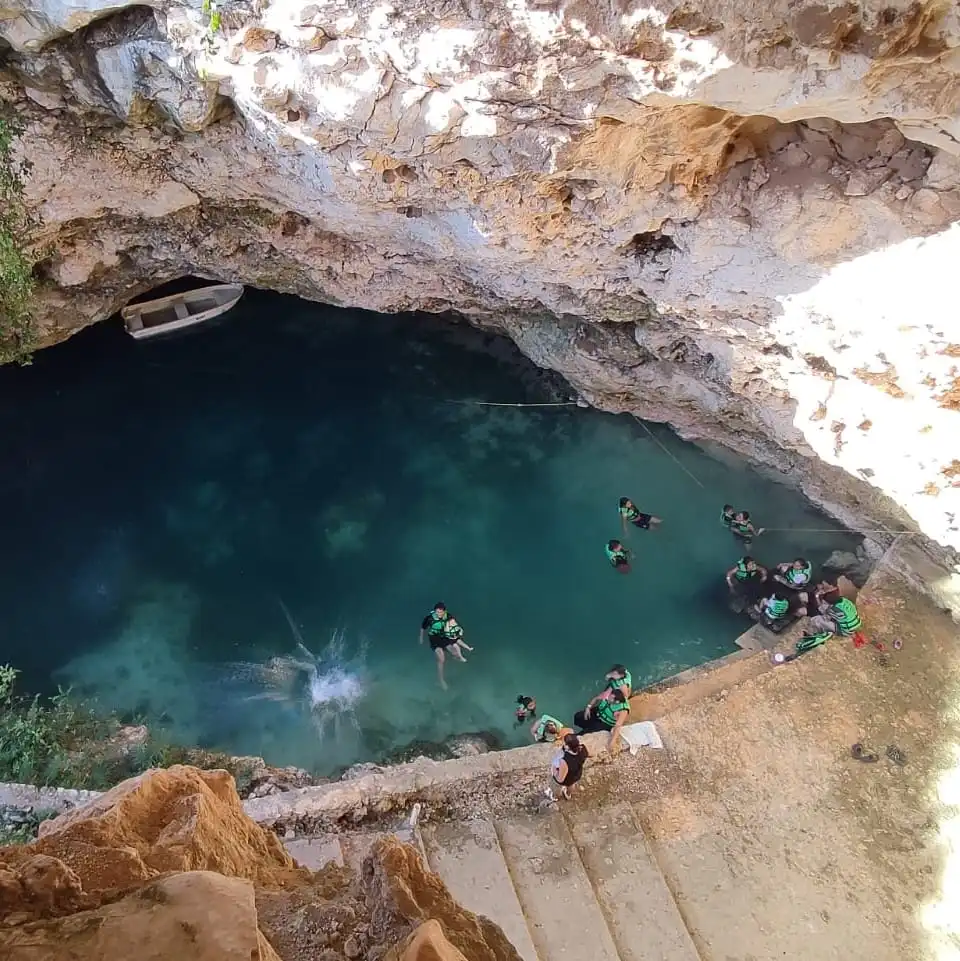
167,503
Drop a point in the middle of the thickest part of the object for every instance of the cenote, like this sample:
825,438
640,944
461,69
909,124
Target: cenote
169,503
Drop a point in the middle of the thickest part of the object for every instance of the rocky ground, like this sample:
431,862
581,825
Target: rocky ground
167,865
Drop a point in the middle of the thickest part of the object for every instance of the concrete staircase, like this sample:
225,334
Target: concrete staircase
571,883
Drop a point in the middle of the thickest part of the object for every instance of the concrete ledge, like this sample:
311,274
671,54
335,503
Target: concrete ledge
57,799
384,791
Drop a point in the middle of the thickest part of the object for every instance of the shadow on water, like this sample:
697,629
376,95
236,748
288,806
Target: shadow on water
159,494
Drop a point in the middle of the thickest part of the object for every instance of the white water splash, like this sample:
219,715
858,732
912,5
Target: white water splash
328,686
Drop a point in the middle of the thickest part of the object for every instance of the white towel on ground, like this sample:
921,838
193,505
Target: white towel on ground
641,734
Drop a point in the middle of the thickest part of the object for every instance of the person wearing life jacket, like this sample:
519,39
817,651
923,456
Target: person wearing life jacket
631,514
727,515
618,556
838,615
742,527
546,729
795,574
606,712
747,579
445,634
619,678
775,607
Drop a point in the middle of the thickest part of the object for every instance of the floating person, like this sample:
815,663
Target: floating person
618,556
567,767
445,634
742,527
606,712
746,580
434,623
838,614
526,707
727,515
546,729
794,574
631,514
618,678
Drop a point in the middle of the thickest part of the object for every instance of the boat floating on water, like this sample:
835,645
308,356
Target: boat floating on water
166,314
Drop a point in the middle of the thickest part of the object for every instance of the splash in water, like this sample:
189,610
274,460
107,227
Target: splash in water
328,686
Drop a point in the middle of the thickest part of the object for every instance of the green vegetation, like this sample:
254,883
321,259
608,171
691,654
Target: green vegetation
18,335
57,742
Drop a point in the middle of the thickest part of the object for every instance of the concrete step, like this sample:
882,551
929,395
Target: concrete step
562,912
639,908
317,852
467,856
357,846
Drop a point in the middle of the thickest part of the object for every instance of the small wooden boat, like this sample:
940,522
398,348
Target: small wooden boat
177,311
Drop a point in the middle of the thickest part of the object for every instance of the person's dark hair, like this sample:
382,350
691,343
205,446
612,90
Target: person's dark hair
624,501
551,726
572,744
746,515
614,544
618,669
801,560
727,507
780,596
619,696
439,606
747,559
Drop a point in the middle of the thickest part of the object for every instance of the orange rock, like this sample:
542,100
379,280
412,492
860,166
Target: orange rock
180,819
398,883
196,916
39,887
427,943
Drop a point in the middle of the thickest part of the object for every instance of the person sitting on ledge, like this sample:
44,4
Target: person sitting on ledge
838,614
606,712
777,606
619,678
794,574
747,579
618,556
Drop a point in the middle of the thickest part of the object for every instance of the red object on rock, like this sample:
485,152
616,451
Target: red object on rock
859,639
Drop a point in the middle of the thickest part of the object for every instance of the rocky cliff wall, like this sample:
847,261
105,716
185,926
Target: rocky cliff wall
735,217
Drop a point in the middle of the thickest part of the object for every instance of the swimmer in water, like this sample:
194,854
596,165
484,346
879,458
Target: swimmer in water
742,527
618,556
526,707
631,514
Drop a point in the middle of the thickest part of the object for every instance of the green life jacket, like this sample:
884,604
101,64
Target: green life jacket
438,625
453,633
607,711
740,527
809,641
801,577
545,719
725,518
614,556
742,573
845,613
777,608
625,681
631,513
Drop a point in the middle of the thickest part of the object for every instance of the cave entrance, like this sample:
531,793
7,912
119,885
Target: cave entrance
237,532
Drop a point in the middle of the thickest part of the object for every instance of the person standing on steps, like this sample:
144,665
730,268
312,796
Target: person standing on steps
631,514
567,767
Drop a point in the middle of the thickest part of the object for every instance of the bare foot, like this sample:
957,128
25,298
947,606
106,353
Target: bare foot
443,683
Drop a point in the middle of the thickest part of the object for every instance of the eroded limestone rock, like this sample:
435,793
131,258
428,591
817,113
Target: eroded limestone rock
691,212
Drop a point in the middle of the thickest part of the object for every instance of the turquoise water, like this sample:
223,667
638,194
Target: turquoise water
165,501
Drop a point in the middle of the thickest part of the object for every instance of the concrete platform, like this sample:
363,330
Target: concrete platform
640,910
562,912
315,853
467,856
